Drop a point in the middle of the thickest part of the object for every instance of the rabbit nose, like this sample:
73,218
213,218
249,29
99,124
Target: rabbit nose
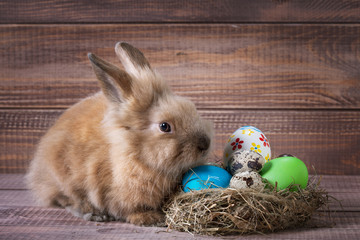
203,143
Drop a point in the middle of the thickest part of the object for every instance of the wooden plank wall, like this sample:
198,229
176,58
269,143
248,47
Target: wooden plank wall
290,68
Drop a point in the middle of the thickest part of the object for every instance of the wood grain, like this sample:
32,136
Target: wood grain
127,11
325,140
20,218
223,66
345,202
288,67
57,224
344,189
338,184
45,223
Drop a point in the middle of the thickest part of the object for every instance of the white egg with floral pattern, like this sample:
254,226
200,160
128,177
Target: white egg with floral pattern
247,138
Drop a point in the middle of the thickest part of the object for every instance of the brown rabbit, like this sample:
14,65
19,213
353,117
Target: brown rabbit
118,154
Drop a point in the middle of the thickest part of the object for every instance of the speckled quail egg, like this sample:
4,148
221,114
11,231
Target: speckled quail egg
245,160
246,180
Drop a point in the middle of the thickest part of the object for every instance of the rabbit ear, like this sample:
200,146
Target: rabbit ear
133,60
115,83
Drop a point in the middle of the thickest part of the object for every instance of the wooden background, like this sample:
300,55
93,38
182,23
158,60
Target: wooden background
290,68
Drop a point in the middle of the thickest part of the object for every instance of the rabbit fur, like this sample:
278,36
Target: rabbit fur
117,155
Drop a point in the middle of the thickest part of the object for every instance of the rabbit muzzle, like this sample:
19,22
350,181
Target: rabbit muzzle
203,143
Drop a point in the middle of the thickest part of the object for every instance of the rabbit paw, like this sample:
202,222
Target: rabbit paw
149,218
97,217
91,216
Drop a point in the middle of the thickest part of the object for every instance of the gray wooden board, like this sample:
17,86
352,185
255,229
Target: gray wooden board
38,223
20,218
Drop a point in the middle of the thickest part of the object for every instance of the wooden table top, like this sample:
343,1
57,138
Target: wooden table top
20,218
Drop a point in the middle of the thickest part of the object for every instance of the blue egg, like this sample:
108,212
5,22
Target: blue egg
204,177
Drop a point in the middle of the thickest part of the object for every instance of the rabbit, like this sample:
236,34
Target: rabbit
120,153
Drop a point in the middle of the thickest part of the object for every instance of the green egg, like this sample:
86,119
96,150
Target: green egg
286,171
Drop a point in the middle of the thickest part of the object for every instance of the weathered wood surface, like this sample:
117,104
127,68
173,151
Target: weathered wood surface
332,183
20,218
215,65
299,83
325,140
36,223
343,189
291,68
23,198
112,11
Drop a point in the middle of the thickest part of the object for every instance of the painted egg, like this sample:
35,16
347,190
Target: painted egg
204,177
245,160
244,180
247,138
285,171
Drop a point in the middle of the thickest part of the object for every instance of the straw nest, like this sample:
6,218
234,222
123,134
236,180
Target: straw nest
232,211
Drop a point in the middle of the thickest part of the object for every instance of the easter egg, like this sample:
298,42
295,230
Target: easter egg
204,177
245,180
285,171
245,160
247,138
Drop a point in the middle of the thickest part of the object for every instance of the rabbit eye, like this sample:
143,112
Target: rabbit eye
165,127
